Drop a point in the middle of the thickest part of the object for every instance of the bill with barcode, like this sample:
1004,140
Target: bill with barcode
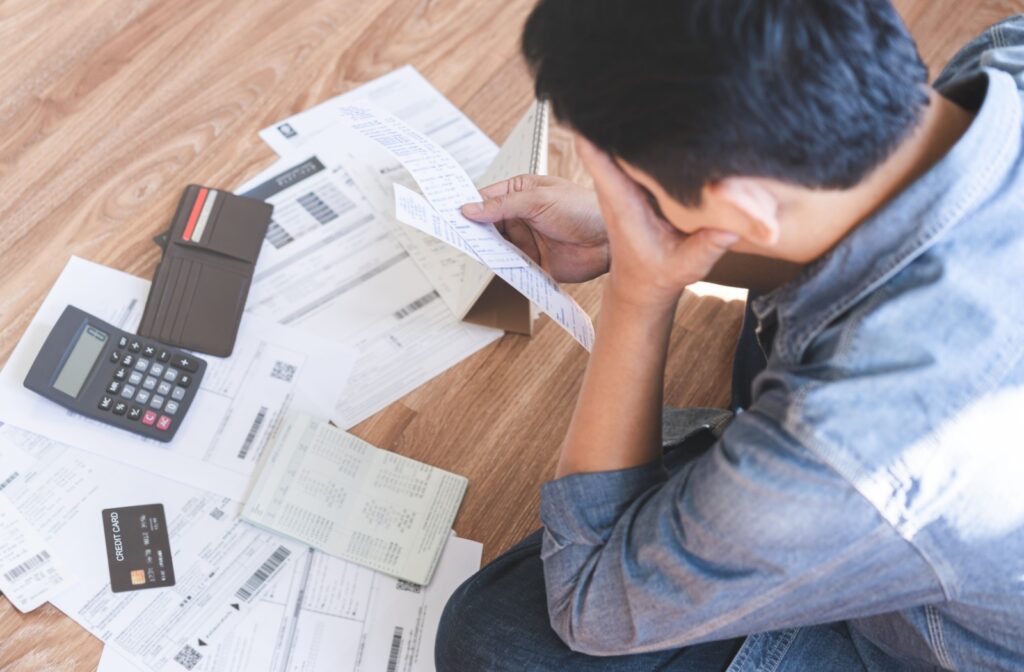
29,573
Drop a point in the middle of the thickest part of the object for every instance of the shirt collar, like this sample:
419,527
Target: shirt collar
904,228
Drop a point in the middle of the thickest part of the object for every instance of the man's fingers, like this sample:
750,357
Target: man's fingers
523,182
702,250
506,206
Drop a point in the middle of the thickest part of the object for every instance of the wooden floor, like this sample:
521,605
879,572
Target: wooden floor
109,107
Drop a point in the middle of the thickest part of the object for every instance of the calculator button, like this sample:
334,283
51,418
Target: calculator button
113,387
120,373
141,364
106,402
135,378
149,383
115,357
164,423
142,397
128,360
156,370
185,362
120,407
157,402
185,380
134,413
149,351
128,391
170,375
164,388
163,356
134,346
178,394
171,407
122,342
148,418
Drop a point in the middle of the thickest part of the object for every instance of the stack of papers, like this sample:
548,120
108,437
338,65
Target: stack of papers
350,309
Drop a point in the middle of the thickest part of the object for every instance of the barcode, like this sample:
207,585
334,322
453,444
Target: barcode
250,438
27,566
277,236
396,647
416,305
283,371
188,657
408,586
10,479
316,207
265,571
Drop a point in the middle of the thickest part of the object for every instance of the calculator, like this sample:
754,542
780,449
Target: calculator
107,374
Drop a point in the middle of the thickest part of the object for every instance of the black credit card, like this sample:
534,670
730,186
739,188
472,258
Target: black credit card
138,549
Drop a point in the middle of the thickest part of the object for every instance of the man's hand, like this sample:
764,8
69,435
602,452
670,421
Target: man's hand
652,261
554,221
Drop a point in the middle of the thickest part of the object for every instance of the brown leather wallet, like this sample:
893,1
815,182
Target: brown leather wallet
199,290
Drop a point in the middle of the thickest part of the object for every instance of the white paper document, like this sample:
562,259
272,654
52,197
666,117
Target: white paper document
409,96
447,187
273,368
336,492
458,279
323,614
222,565
29,573
330,267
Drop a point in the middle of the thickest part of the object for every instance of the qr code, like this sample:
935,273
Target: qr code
409,586
188,657
283,371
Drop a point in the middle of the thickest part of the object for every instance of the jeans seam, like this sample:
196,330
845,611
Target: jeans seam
938,640
780,643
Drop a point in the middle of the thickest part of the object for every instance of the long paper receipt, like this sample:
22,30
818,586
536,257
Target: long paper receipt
446,187
338,493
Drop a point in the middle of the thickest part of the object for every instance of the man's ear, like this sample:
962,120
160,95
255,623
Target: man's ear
756,204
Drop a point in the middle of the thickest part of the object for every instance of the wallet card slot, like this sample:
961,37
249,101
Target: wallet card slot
214,313
168,284
184,308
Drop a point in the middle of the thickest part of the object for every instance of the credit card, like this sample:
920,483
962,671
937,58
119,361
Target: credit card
138,548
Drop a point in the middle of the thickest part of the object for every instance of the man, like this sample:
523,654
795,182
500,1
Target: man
864,510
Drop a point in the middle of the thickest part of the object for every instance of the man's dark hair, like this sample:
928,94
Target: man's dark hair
812,92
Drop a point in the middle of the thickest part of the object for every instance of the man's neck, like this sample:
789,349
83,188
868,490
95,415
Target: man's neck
818,227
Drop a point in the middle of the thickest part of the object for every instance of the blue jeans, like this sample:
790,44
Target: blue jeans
498,619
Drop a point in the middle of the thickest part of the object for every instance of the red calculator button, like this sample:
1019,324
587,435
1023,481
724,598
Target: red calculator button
164,423
149,418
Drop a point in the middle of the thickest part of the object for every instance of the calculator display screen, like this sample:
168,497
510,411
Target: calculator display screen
79,363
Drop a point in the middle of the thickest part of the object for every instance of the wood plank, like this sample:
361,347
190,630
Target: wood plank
111,106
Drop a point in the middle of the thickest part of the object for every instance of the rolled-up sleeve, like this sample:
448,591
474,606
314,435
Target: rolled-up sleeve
756,534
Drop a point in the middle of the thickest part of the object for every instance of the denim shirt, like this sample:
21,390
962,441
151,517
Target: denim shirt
877,478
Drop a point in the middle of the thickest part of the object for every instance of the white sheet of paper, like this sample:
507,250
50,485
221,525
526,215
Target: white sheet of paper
409,96
531,281
222,566
331,268
30,574
323,614
272,369
335,492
